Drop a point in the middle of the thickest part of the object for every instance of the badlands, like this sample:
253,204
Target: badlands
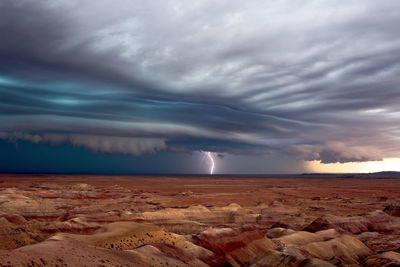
78,220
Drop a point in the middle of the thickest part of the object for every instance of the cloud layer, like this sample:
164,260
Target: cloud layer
316,80
102,144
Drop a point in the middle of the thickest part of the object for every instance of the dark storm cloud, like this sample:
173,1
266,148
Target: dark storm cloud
314,80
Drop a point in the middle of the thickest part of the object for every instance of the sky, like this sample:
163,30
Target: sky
151,86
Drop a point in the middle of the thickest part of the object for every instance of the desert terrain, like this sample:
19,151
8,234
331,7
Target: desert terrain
81,220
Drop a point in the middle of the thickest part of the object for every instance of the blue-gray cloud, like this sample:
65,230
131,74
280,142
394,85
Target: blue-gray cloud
316,80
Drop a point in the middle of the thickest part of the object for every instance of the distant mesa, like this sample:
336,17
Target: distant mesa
383,174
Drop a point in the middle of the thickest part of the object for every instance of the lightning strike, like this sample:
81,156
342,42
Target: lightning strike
212,162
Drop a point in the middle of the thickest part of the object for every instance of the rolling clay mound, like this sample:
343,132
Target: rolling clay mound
192,212
182,227
130,235
295,251
376,221
298,238
234,246
393,210
341,250
278,232
232,213
14,236
380,242
275,258
327,234
123,235
68,253
282,259
354,225
155,257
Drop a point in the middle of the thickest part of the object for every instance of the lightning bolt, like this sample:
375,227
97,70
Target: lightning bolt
212,162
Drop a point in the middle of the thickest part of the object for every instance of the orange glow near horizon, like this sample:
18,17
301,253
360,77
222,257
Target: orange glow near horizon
387,164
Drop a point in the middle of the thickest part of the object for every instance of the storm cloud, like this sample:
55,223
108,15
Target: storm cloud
315,80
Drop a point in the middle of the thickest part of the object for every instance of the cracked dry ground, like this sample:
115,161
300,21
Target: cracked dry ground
198,221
